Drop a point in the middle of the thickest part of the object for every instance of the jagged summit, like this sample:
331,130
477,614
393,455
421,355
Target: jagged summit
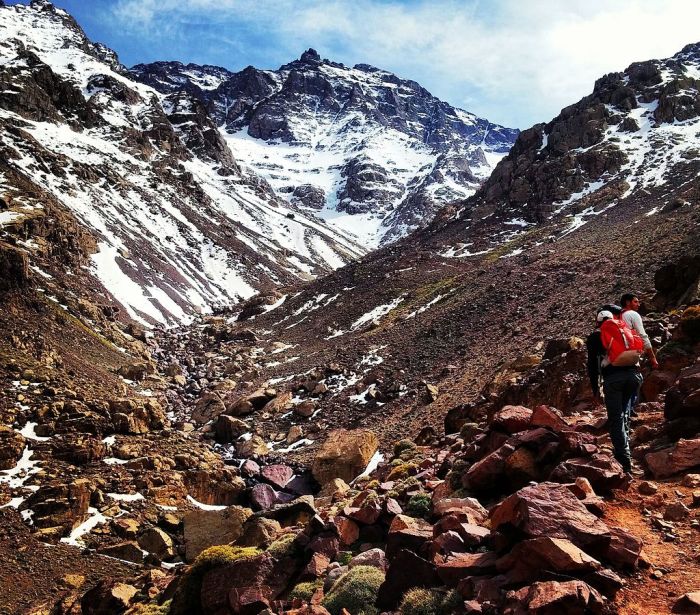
365,150
170,224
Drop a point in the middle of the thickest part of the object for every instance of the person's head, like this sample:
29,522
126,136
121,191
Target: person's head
629,301
602,316
614,309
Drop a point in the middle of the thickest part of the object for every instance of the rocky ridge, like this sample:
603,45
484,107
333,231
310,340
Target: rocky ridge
171,226
369,152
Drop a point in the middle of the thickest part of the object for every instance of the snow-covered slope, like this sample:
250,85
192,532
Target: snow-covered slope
366,151
179,227
636,135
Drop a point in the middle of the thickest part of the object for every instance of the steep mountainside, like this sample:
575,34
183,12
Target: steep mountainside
368,152
171,225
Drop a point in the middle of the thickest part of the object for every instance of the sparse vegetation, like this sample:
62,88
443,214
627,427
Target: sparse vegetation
404,445
419,601
283,547
304,591
355,591
419,506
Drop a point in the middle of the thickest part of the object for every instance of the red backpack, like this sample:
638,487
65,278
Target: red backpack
623,345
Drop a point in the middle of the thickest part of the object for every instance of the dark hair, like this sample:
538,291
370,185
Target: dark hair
626,298
611,307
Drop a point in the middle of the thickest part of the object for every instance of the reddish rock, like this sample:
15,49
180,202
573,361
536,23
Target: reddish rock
446,543
63,504
554,598
229,428
528,559
688,604
246,584
305,409
472,535
372,557
412,537
318,564
684,455
348,530
656,383
250,468
512,419
466,564
550,509
325,543
367,514
546,416
470,507
278,474
406,571
78,449
603,472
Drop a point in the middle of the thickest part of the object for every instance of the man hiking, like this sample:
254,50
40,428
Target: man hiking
613,353
630,314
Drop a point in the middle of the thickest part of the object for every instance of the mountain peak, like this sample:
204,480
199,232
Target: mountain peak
310,56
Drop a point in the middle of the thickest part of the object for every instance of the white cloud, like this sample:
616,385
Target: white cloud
515,62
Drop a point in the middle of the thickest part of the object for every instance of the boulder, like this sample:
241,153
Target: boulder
407,533
11,447
348,530
530,558
464,565
108,596
602,471
553,598
546,416
406,571
688,603
512,419
207,408
63,504
345,454
136,416
128,551
156,541
229,428
247,585
683,455
277,475
550,509
136,371
206,528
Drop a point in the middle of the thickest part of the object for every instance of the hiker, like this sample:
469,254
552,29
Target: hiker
613,353
630,314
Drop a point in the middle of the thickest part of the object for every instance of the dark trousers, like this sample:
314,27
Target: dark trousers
620,387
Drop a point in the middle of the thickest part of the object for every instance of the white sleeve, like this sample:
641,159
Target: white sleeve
634,320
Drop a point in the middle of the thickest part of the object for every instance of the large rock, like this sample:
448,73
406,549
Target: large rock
156,541
11,447
206,528
14,267
554,598
512,419
106,597
688,604
136,416
683,455
64,504
406,571
344,454
229,429
78,449
602,471
464,565
245,585
207,408
550,509
528,559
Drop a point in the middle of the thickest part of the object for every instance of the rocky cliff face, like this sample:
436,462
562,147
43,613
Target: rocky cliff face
367,151
636,134
176,226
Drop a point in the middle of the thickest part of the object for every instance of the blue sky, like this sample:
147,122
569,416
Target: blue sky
515,62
